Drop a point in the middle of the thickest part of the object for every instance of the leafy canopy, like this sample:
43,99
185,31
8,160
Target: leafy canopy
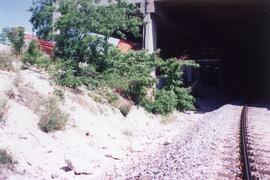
84,27
42,18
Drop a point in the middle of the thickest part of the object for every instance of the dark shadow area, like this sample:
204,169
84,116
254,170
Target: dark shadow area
230,41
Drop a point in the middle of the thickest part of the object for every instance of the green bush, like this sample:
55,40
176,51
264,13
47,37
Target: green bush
52,119
6,159
34,56
185,101
130,73
164,103
64,74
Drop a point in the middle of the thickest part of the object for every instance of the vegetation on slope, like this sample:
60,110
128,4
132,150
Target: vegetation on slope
83,57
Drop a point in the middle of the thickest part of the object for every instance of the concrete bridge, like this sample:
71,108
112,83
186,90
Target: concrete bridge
236,32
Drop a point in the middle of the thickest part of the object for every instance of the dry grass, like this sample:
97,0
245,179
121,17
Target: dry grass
168,119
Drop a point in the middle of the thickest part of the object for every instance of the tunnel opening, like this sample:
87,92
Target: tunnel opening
229,39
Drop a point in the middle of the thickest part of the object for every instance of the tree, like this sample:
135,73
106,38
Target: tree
42,18
3,36
16,36
85,27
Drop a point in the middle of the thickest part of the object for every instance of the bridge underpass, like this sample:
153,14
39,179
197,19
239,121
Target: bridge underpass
230,39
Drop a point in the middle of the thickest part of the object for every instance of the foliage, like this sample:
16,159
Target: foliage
130,73
52,118
172,71
42,18
164,103
6,159
172,95
34,56
64,74
84,57
185,101
16,36
81,19
32,53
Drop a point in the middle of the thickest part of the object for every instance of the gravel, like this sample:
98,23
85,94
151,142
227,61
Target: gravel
259,136
208,149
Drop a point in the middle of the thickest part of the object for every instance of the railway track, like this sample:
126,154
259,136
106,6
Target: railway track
255,143
244,146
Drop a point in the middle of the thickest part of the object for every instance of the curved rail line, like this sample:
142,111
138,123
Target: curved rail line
246,169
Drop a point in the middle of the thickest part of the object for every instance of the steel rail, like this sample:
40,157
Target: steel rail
246,169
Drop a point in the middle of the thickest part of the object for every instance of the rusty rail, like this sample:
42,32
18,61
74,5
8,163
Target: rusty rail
246,169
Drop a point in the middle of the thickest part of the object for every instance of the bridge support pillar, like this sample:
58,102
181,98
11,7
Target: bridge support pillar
150,33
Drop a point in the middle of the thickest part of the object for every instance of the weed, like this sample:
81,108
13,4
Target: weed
124,109
6,159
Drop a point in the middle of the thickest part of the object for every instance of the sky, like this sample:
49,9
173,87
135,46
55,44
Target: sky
14,13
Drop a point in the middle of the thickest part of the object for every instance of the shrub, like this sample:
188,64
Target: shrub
16,36
6,159
3,109
130,73
164,103
52,118
32,53
185,101
64,74
60,94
